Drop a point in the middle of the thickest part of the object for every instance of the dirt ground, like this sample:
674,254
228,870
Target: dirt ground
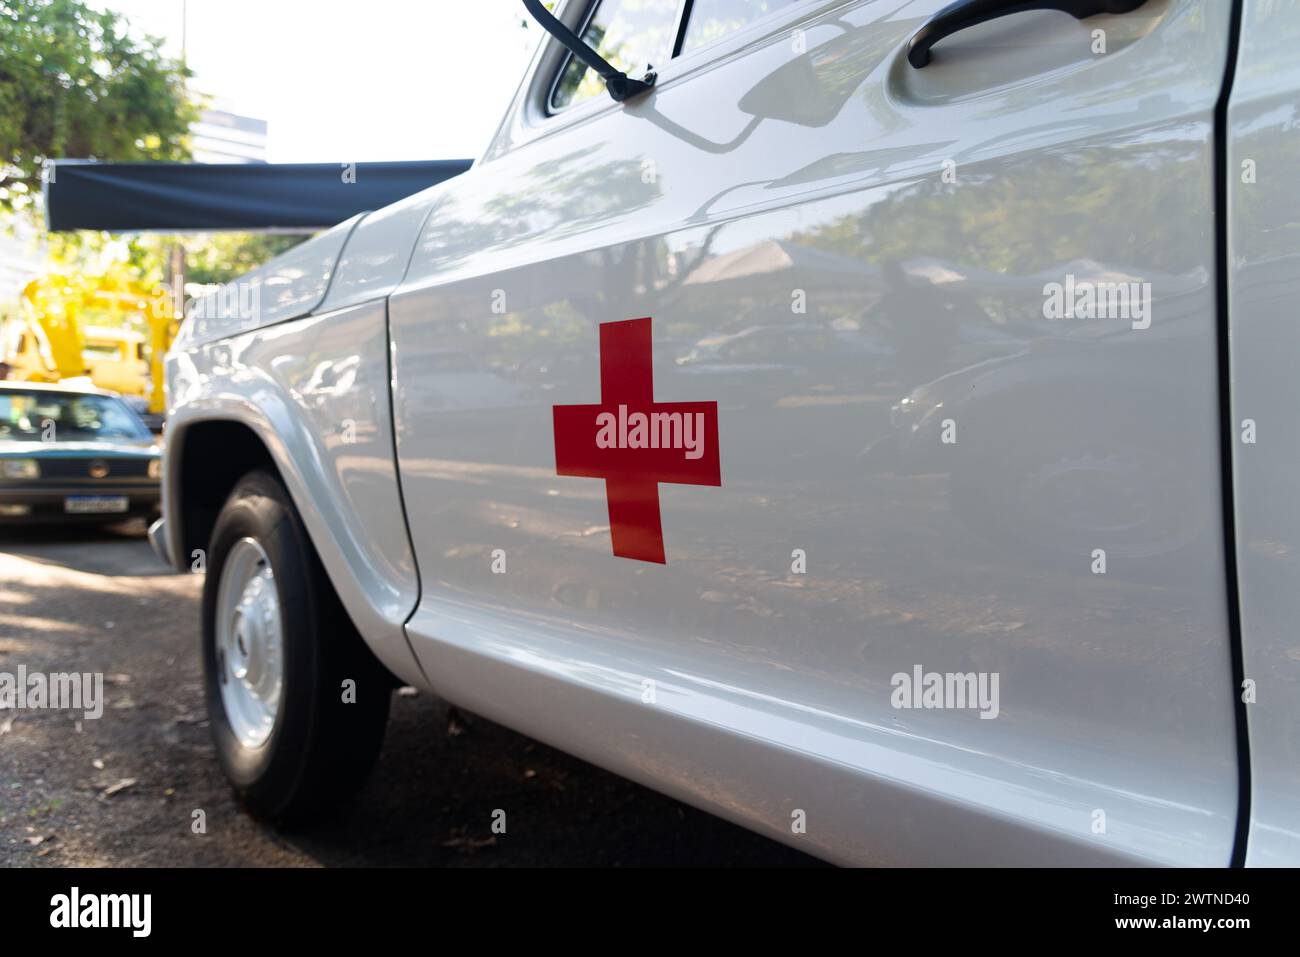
122,791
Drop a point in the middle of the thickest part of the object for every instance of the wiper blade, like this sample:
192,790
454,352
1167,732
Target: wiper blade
619,85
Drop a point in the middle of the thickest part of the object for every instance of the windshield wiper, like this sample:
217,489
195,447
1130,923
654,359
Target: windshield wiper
619,85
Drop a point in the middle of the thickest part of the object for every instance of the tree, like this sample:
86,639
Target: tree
74,83
210,259
222,257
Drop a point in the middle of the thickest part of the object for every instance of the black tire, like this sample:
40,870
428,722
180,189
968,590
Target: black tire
321,748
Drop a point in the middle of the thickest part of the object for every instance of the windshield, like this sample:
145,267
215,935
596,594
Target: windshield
66,417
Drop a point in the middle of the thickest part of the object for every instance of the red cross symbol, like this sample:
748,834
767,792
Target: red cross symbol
632,474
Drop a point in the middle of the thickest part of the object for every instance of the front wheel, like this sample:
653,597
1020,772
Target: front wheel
296,701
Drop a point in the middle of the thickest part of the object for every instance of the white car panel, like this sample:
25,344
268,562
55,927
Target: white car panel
1264,252
752,758
316,391
815,172
291,285
378,251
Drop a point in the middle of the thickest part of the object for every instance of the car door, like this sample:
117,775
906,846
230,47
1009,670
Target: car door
946,581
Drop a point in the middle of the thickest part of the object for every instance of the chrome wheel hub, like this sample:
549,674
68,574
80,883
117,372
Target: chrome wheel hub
250,643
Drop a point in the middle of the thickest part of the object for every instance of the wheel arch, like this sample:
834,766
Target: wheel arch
280,406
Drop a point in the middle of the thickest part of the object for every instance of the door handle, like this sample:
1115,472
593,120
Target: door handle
967,13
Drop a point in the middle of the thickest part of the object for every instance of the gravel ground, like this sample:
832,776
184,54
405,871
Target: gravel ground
123,790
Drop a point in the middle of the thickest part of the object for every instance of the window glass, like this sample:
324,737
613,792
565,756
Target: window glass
630,34
102,350
713,19
24,416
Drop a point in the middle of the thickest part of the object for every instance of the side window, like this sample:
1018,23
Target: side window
630,34
713,19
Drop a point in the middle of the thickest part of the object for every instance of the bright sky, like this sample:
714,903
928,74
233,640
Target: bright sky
352,80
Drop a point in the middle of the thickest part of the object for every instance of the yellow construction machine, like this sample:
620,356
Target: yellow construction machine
71,327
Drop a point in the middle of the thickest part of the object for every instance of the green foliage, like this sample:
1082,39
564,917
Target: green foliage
221,257
121,260
74,84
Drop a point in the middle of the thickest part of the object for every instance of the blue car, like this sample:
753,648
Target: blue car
74,455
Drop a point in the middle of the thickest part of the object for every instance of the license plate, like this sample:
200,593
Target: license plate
95,504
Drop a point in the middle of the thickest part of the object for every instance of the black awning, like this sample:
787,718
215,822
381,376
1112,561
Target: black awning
199,197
